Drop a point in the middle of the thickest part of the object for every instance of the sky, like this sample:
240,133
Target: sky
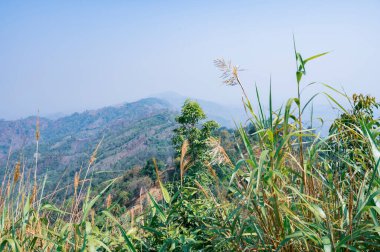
67,56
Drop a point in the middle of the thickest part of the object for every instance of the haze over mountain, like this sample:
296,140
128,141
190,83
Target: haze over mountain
223,114
129,133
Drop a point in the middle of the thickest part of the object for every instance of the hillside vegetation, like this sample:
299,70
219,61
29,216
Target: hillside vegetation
280,187
130,134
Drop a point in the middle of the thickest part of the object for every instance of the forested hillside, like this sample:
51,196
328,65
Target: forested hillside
129,134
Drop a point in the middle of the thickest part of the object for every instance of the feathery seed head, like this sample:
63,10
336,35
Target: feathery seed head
93,217
8,189
34,194
93,157
76,181
38,128
108,201
16,175
229,72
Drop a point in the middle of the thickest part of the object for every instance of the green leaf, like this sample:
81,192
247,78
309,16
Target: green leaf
12,243
164,192
299,76
337,103
315,56
88,205
307,103
124,234
287,238
158,208
326,244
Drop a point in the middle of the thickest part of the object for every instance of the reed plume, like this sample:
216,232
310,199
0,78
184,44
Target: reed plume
76,182
108,201
16,175
182,166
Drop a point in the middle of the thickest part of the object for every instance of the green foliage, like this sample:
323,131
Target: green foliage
194,132
347,142
149,169
273,196
191,114
127,188
187,222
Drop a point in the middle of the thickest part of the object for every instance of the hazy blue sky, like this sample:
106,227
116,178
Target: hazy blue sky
64,56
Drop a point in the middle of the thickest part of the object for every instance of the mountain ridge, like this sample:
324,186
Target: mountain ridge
130,134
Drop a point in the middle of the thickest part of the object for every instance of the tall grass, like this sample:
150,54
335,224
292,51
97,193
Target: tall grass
291,190
290,198
31,223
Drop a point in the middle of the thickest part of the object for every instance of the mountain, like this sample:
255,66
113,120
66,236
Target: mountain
130,134
224,115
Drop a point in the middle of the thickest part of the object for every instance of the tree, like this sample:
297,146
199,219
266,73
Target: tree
194,132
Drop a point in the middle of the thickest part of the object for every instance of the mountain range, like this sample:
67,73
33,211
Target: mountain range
128,135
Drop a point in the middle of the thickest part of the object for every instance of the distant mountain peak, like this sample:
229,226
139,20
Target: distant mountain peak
224,115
